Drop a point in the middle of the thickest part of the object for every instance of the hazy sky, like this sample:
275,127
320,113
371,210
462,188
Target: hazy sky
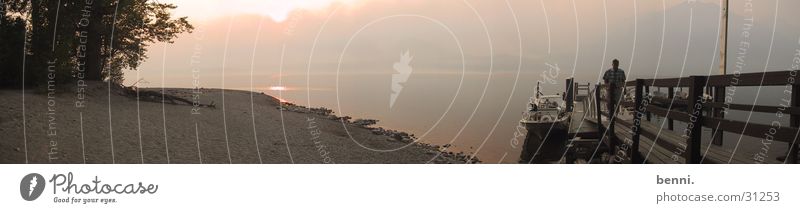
471,59
278,10
577,35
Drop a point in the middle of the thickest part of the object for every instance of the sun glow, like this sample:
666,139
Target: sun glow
278,10
277,88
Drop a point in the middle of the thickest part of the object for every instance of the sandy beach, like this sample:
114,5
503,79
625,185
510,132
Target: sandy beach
241,127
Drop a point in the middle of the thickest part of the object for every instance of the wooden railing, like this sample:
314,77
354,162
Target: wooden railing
705,94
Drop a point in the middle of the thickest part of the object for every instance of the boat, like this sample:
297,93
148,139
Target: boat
546,121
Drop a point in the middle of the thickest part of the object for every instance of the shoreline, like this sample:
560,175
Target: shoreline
191,128
369,124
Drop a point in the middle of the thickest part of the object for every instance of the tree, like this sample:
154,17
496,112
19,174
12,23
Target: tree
12,37
120,32
115,34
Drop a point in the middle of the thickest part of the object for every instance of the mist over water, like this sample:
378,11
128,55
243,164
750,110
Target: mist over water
475,64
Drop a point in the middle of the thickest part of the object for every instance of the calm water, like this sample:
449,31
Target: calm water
469,123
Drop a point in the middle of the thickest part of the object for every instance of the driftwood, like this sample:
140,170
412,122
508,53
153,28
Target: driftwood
158,97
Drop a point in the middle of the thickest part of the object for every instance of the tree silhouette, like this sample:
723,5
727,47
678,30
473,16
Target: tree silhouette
81,40
138,24
12,36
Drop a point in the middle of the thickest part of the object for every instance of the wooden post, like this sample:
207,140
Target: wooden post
695,109
647,91
719,92
719,97
570,94
670,95
612,112
598,106
794,121
723,39
637,122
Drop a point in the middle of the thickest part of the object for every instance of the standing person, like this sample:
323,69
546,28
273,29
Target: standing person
615,82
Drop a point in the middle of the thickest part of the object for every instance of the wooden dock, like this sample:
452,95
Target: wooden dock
594,136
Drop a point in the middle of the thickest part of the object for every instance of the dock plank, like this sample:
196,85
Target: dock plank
578,127
664,153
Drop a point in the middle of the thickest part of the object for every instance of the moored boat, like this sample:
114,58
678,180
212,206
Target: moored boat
546,121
